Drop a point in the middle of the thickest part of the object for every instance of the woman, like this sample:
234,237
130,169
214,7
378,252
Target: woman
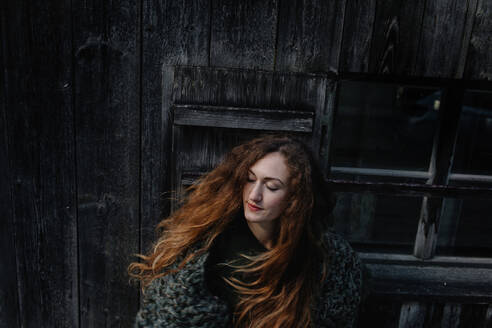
250,248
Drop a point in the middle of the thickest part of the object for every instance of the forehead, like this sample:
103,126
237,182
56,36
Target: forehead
272,165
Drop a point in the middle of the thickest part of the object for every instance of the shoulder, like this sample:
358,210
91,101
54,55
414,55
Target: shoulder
181,299
339,252
343,263
340,293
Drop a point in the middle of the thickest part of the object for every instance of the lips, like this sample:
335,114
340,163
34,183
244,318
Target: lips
254,208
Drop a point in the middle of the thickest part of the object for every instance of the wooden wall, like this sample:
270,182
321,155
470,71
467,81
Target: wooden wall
83,172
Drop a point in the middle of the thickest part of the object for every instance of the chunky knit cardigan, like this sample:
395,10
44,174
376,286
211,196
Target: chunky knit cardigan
182,299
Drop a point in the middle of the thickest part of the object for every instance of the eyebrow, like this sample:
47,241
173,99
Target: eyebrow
268,178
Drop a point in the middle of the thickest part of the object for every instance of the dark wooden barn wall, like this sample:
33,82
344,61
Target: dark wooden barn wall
82,168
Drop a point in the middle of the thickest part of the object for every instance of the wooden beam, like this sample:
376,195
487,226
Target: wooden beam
443,278
410,189
439,168
243,118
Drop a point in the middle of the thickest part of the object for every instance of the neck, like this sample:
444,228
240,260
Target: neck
263,231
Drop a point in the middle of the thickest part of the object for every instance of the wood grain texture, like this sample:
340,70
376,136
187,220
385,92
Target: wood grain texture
243,33
108,130
395,40
479,59
443,41
412,314
451,315
309,35
324,127
410,189
357,34
243,118
429,281
253,89
39,134
173,33
9,300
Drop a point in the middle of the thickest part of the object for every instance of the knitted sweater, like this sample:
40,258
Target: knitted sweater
183,300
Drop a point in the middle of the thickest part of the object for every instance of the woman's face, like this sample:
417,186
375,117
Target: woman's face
265,192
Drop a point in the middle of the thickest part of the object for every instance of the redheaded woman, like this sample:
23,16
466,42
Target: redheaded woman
250,248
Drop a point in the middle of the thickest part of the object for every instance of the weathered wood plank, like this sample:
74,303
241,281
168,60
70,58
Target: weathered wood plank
39,132
444,43
243,34
9,300
412,315
488,316
243,118
441,261
439,168
396,35
173,33
249,88
410,189
324,127
309,35
107,124
451,315
479,59
357,34
420,282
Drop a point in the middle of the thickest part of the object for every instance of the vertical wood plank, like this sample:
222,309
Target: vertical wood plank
243,34
357,35
431,210
395,41
326,121
174,33
439,168
309,35
412,315
444,42
479,59
9,300
488,316
108,131
39,121
451,316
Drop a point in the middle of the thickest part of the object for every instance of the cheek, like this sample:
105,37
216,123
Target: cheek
278,203
246,192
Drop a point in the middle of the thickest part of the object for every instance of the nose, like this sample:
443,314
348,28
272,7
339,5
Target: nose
255,193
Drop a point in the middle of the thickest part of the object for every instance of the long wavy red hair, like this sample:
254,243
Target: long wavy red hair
284,277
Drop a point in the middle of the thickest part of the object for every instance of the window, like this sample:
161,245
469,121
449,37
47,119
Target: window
391,143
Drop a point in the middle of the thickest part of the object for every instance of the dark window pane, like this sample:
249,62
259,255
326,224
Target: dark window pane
385,126
377,222
465,228
473,151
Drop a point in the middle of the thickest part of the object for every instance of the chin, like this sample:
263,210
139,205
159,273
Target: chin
252,217
255,218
